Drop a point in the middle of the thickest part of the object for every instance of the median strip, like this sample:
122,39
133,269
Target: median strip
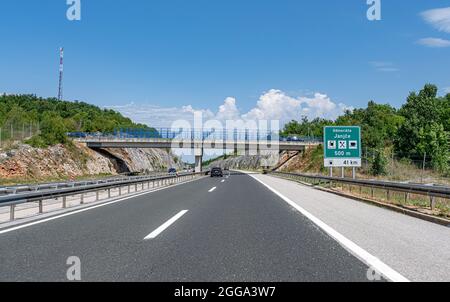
167,224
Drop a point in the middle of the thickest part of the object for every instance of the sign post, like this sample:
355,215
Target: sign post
342,147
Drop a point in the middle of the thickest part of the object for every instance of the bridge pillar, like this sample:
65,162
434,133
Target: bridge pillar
198,160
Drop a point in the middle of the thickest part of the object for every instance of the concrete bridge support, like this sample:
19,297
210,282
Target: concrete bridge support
198,160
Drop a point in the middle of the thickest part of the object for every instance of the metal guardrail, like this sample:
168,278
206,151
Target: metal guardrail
65,190
6,190
431,191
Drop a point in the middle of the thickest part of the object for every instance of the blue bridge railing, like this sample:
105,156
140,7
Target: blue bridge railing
171,134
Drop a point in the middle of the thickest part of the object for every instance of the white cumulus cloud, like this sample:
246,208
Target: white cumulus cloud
277,105
272,105
229,110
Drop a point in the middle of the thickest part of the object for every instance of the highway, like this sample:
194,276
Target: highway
234,229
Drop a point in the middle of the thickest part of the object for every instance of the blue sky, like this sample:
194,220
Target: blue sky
152,58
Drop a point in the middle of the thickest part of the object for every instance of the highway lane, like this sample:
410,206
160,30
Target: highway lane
207,230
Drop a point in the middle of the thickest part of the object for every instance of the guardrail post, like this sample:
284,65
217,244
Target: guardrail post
64,203
82,198
41,207
372,192
97,195
135,187
128,189
12,210
388,195
406,197
120,191
142,186
109,192
432,203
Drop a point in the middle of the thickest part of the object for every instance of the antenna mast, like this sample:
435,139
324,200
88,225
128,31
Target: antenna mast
61,70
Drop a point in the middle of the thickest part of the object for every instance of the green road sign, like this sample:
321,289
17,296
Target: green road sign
342,146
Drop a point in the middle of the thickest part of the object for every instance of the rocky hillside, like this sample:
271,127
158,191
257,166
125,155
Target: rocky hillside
144,160
25,163
310,161
242,162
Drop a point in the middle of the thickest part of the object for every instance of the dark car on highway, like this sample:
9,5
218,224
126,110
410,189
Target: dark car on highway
216,172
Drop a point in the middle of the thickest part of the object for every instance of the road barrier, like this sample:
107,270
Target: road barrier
430,191
38,194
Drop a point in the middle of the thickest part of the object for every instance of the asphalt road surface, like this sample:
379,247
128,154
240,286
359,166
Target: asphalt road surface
213,229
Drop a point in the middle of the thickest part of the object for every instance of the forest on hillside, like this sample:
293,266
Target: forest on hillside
418,131
46,121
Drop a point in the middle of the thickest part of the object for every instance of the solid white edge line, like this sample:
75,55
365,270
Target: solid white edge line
7,230
212,190
356,250
165,225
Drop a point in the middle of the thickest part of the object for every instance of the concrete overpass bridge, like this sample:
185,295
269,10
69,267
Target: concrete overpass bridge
248,142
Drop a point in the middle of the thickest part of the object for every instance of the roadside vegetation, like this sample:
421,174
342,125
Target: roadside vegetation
395,141
45,122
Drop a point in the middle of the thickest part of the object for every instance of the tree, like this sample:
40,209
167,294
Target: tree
53,129
379,164
433,141
379,124
306,128
424,127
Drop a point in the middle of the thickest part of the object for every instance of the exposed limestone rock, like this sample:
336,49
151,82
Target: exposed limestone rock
26,162
246,162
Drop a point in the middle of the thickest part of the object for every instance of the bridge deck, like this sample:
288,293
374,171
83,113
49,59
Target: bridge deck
197,144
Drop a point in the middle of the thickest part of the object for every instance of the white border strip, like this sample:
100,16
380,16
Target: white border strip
164,226
356,250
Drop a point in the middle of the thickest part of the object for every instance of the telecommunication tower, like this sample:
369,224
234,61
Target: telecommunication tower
61,71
